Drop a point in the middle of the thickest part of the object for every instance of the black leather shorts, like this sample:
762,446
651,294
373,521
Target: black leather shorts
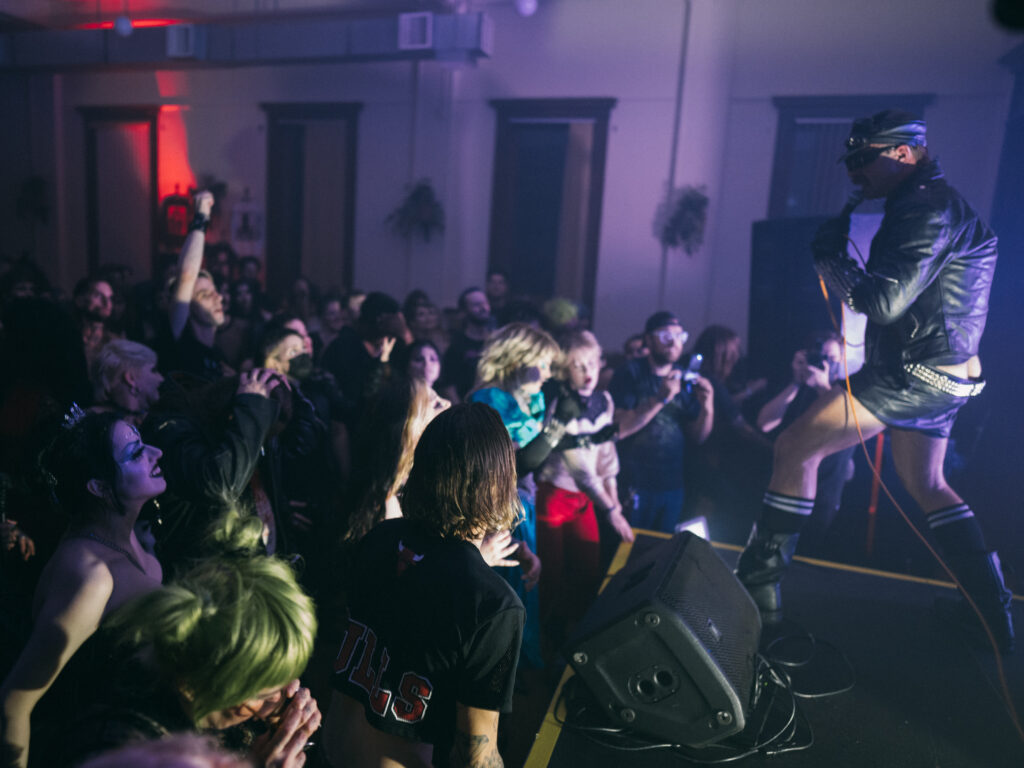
904,402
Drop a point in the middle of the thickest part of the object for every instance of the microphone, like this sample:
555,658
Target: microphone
856,198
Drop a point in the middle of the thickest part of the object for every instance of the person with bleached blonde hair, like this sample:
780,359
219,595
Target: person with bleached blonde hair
125,379
515,363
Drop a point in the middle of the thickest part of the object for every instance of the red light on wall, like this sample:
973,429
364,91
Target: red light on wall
173,166
136,24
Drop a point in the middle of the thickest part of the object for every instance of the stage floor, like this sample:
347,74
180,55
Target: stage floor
922,696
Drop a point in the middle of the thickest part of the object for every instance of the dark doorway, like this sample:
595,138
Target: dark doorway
548,188
121,186
311,180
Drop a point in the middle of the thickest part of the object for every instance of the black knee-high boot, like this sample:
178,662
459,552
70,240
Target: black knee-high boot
761,566
769,550
981,576
959,537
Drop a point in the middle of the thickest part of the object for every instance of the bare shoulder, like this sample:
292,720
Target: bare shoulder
76,573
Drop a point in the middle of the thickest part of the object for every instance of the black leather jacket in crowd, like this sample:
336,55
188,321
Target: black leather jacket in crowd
928,276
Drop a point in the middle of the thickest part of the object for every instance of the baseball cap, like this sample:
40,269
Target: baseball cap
891,127
660,320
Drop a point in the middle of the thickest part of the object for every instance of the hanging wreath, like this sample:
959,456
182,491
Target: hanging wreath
680,219
419,213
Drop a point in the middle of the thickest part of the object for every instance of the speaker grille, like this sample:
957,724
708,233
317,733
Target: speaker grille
703,591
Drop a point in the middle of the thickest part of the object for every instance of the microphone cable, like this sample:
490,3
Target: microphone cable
840,328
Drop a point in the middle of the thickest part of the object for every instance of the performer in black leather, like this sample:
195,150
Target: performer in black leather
924,289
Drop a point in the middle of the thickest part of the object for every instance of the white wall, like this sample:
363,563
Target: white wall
741,53
811,47
630,52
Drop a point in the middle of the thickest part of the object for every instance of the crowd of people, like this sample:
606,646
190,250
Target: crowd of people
195,478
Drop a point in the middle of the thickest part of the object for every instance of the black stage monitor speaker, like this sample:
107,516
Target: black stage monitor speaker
668,648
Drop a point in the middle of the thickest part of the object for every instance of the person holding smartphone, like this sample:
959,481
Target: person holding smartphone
660,408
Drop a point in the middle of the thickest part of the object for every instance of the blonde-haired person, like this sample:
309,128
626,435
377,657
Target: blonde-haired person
576,480
125,380
223,644
515,363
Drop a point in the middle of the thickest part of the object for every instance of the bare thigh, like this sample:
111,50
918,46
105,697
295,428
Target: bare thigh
829,425
919,463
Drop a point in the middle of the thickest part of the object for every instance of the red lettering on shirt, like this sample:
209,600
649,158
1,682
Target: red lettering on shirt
363,675
411,702
353,634
380,697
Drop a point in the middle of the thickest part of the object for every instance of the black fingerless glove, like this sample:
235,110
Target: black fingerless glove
533,454
603,435
841,274
831,237
568,406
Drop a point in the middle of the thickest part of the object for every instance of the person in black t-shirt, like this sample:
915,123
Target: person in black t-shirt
429,654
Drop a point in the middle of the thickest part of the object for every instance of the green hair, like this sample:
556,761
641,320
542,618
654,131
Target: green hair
225,631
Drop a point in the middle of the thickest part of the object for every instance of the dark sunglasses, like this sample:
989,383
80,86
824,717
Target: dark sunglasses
864,157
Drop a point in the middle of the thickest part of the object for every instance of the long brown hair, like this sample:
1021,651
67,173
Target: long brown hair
463,478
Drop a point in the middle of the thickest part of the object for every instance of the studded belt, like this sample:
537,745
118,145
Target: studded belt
951,385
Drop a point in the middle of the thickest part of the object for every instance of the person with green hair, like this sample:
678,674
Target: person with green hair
223,644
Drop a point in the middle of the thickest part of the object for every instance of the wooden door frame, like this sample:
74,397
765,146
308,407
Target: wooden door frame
91,116
509,111
277,113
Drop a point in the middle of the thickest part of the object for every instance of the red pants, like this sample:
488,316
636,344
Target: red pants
569,551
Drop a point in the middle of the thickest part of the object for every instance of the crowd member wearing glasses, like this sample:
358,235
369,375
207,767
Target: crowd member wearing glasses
924,289
659,409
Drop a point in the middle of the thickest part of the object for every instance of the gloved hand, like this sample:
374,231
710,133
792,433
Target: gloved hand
831,238
603,435
841,274
568,406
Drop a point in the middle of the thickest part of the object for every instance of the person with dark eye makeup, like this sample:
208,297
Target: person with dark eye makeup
102,473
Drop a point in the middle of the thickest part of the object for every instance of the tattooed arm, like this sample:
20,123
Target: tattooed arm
476,739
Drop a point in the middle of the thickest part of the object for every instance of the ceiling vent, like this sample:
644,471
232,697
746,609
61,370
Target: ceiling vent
449,38
181,41
415,31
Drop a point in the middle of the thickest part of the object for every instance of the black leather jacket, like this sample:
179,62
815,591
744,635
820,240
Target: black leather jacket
928,276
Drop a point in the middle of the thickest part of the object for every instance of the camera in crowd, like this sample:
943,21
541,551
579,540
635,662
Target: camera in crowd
815,358
692,372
